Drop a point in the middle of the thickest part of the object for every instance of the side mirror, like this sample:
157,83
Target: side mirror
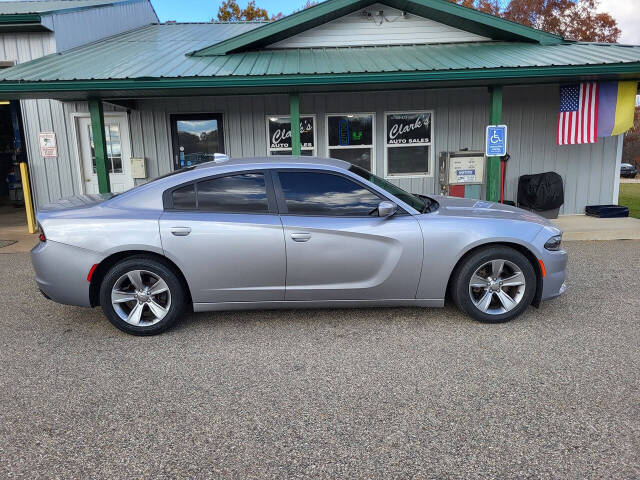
386,208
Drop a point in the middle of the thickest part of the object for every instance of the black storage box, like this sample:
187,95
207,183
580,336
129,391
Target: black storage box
542,193
607,211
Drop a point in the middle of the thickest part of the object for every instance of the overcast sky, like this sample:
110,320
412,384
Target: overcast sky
627,13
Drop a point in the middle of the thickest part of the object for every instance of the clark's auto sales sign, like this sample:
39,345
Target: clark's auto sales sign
280,132
407,128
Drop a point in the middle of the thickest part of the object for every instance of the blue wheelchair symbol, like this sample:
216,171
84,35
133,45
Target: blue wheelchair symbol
496,141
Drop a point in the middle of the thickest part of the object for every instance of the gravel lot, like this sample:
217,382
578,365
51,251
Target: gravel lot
376,393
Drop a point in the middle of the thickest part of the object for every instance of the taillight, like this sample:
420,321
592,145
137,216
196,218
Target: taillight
42,236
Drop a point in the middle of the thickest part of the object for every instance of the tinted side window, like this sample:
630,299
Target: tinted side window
310,193
245,193
184,198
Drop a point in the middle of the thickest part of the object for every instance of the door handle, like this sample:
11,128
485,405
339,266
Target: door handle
300,236
181,231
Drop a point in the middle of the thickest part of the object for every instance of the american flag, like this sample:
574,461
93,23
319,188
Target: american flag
578,118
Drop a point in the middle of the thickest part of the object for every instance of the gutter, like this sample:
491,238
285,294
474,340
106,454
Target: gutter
18,18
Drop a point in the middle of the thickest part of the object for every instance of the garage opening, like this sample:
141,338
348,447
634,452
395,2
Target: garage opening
12,152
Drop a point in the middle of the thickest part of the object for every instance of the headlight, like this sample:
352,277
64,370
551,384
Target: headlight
554,243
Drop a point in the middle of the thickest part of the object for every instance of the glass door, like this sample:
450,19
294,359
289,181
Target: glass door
196,138
118,153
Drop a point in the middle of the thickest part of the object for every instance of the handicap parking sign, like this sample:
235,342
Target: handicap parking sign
496,142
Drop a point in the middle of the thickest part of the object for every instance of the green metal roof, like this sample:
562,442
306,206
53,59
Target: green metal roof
158,51
154,58
439,10
50,6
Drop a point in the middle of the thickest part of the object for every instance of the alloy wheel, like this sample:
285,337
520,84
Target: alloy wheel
141,298
497,287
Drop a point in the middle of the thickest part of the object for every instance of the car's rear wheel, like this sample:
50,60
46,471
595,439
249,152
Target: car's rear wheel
494,284
142,296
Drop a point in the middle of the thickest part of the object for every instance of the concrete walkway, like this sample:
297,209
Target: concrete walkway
583,227
13,228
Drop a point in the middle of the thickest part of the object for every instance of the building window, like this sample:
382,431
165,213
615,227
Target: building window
196,138
408,149
350,138
114,148
279,135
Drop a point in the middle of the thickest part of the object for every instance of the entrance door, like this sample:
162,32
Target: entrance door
196,138
118,152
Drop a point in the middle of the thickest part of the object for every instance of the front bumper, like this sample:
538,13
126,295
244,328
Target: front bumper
61,272
554,283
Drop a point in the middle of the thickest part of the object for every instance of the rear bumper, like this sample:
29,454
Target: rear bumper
61,272
554,283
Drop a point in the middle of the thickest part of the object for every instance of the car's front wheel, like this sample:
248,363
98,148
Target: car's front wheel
142,296
494,284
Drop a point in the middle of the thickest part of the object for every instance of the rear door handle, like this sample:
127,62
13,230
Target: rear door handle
181,231
300,236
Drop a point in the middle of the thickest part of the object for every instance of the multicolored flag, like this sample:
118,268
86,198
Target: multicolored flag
617,104
578,117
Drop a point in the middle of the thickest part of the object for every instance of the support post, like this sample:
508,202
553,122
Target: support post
493,163
294,114
99,145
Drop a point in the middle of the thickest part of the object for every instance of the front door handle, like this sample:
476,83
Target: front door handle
300,236
181,231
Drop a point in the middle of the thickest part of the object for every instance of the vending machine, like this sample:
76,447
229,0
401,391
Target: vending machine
462,174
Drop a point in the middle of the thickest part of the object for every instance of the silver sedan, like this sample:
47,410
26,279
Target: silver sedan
290,232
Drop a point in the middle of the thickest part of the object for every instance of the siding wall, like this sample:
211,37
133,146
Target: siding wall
58,177
358,29
85,26
19,48
588,171
459,121
24,46
456,112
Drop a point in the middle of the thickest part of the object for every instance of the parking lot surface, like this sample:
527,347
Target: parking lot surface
373,393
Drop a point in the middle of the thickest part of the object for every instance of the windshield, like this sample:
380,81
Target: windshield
422,204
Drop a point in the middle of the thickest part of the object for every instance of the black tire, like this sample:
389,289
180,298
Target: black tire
160,269
462,277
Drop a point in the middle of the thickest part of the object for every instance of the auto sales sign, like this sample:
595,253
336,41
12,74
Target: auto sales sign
409,128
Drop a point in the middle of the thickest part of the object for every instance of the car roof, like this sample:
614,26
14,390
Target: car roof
275,161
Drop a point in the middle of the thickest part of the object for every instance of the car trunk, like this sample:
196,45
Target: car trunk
77,201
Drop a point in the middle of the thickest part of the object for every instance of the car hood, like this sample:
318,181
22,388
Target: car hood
76,202
468,207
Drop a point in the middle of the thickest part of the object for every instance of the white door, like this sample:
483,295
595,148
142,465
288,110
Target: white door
118,153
